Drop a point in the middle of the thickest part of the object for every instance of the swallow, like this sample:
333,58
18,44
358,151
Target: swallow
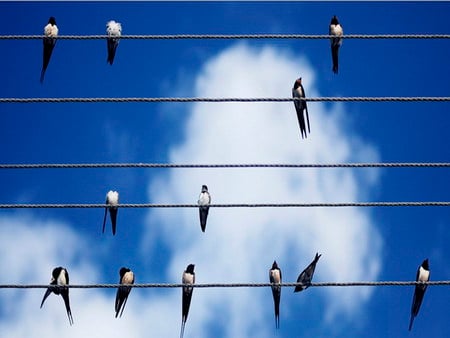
204,200
423,275
306,276
126,278
187,279
50,32
112,202
60,277
275,278
336,31
114,31
300,105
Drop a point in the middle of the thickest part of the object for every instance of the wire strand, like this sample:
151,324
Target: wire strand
215,166
228,285
230,36
235,205
228,99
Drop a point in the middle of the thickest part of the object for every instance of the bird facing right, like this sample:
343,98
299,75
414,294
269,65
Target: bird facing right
336,31
126,278
423,275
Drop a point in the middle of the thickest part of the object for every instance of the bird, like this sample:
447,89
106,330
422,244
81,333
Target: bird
336,30
187,279
112,202
275,278
50,32
114,31
300,105
126,278
306,275
423,275
204,200
60,277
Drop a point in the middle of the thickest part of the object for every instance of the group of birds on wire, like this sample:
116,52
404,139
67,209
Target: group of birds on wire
114,31
60,275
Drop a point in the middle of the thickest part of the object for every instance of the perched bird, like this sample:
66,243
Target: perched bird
187,279
204,200
423,275
126,278
50,32
306,276
60,276
336,30
300,106
112,202
114,31
275,278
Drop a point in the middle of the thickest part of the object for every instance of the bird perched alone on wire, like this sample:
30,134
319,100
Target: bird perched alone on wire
126,278
114,31
275,278
423,275
187,279
336,30
50,32
204,200
112,202
300,106
60,277
306,275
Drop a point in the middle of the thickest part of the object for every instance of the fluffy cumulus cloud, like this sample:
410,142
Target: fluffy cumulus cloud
240,244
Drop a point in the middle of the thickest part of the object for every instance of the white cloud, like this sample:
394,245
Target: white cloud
240,244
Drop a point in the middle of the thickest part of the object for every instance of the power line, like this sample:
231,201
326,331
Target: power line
229,285
236,205
230,36
215,166
228,99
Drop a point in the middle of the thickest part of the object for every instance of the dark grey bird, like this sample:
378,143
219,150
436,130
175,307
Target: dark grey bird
204,200
300,106
60,277
336,30
423,275
50,32
114,31
275,278
126,278
306,275
112,203
187,279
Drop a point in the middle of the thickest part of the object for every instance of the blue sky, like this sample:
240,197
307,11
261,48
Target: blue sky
239,245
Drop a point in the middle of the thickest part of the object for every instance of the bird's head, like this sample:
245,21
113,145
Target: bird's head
204,188
298,83
52,21
190,268
334,20
274,265
123,271
425,264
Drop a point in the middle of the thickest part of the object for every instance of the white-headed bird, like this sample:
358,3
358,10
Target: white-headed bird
112,203
336,31
114,31
306,275
50,32
275,278
187,279
126,278
60,277
300,105
204,200
423,275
